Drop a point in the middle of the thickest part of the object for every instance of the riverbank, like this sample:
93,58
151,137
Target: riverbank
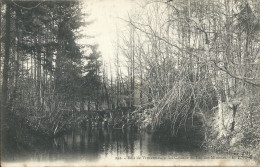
20,136
241,133
97,145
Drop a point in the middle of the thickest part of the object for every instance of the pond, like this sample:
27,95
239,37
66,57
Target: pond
92,144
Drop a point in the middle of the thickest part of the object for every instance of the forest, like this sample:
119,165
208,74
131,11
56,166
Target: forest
185,69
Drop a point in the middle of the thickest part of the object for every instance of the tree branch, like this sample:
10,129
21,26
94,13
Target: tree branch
237,77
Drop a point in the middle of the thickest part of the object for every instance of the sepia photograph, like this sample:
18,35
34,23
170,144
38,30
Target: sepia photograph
129,83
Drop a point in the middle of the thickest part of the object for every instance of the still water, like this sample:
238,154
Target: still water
92,144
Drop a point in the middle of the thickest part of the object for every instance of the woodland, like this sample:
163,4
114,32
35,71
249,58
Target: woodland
186,68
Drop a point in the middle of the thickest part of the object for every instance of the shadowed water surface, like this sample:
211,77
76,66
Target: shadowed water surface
94,143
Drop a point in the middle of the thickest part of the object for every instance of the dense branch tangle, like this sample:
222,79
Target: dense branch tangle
45,77
193,51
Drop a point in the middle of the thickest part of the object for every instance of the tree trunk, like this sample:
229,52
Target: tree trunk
82,104
6,58
220,121
0,46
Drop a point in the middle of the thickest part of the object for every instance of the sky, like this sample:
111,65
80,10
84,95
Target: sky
107,16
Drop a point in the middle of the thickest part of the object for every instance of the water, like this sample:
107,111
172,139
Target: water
95,144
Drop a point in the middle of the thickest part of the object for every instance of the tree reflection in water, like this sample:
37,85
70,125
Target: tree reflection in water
93,143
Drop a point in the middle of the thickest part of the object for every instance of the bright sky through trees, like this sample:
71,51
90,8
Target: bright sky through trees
107,15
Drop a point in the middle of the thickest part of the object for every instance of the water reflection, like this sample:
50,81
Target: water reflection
95,143
92,142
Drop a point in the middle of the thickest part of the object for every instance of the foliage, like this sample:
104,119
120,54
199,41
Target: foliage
196,59
46,66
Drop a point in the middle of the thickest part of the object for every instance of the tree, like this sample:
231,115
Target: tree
6,60
92,79
197,57
42,67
